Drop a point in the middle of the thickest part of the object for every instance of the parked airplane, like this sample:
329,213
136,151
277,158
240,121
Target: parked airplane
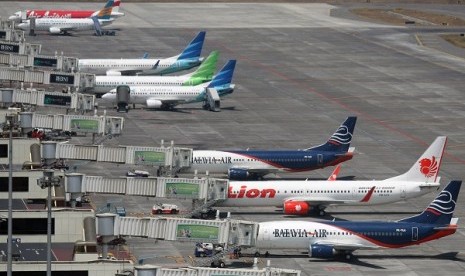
63,25
166,97
327,239
187,59
204,73
254,164
19,15
306,196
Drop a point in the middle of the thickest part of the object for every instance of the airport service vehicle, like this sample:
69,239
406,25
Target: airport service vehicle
187,59
137,173
207,249
165,208
167,97
308,196
254,164
19,15
329,239
205,72
64,25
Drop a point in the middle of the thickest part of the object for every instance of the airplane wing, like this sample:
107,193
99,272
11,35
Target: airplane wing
345,246
256,171
61,29
319,202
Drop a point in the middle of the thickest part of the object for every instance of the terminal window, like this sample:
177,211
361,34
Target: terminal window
28,226
20,184
3,151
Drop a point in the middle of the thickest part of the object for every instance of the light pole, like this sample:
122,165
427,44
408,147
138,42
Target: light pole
49,181
9,122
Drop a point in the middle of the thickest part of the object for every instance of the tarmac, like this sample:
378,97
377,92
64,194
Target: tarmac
300,72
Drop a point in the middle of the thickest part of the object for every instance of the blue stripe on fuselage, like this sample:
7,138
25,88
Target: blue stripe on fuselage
389,234
296,160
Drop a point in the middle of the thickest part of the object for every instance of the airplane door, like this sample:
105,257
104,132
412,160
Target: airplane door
267,237
402,191
414,233
319,158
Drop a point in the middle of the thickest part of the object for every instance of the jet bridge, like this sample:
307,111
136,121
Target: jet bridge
80,80
76,101
206,189
229,232
101,125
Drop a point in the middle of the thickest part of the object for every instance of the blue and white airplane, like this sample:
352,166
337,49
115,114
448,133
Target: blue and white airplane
254,164
328,239
167,97
189,58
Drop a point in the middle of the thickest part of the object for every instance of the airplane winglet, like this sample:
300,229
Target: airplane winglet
335,173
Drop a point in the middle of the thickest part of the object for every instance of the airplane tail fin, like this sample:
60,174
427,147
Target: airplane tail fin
116,4
194,48
426,168
105,13
441,209
207,68
340,140
224,76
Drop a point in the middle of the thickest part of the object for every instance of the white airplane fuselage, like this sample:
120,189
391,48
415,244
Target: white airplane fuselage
300,234
104,84
275,193
140,94
71,24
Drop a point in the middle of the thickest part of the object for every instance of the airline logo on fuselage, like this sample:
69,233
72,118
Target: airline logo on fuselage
47,14
299,233
251,193
212,160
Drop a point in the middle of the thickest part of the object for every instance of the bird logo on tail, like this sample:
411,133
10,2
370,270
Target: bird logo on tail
429,167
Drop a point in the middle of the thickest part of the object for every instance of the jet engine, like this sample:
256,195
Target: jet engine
55,30
321,251
296,208
113,73
238,174
153,103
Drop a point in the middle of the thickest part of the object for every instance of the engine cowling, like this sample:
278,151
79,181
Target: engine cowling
296,208
113,73
238,174
153,103
321,251
55,30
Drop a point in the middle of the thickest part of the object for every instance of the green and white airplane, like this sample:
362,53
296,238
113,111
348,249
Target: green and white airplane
204,73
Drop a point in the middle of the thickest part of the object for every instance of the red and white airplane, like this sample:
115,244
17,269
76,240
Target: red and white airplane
27,14
303,197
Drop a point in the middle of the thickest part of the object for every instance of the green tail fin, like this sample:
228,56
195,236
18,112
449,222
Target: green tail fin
205,71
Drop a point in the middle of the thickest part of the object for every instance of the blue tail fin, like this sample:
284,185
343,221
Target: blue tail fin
224,76
441,209
194,48
340,140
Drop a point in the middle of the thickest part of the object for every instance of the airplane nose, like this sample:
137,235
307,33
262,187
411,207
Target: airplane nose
106,96
13,18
